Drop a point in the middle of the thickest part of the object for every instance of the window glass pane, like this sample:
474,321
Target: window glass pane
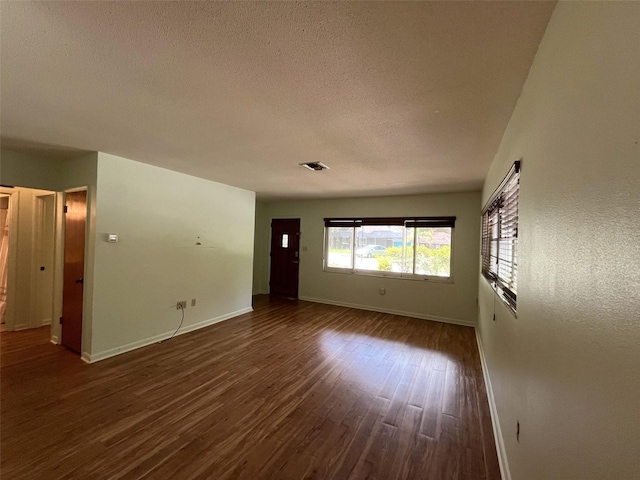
340,247
407,265
285,240
410,248
493,241
433,252
374,244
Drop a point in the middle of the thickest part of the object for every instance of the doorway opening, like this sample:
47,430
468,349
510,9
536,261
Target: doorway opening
27,245
5,221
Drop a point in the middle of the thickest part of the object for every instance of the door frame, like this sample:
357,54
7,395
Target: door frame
58,267
14,204
38,223
282,217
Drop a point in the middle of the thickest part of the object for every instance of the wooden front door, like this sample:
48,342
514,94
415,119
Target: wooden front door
73,286
285,257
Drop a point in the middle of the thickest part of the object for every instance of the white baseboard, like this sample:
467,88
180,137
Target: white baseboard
96,357
390,311
55,340
495,422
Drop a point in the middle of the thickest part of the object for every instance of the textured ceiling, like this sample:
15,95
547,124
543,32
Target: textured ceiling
397,98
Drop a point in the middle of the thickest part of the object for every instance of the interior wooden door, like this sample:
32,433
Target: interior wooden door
285,257
73,285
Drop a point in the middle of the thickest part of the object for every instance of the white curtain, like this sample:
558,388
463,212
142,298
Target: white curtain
4,257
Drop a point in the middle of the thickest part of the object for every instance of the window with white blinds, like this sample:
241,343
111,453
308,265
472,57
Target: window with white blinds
500,237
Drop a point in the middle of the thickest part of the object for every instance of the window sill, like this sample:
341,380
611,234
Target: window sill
397,276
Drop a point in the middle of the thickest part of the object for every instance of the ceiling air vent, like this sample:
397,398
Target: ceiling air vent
317,166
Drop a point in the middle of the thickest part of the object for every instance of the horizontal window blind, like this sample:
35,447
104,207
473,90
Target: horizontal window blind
409,222
500,236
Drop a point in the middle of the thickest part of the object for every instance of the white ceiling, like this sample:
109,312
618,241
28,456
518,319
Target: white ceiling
397,98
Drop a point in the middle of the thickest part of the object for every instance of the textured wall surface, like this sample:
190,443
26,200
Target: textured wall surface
567,367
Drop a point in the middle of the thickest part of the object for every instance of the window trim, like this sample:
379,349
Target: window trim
406,222
495,207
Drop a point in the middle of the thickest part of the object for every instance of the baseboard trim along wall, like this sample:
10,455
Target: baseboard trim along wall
96,357
55,340
497,432
390,311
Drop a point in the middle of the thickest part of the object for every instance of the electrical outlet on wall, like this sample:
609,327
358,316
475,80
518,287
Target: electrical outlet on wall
193,302
181,305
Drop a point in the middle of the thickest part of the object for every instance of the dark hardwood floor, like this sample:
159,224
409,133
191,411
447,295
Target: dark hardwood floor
292,390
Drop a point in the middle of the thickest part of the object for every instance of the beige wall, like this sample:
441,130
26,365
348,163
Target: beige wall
160,217
568,367
21,169
31,171
445,301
